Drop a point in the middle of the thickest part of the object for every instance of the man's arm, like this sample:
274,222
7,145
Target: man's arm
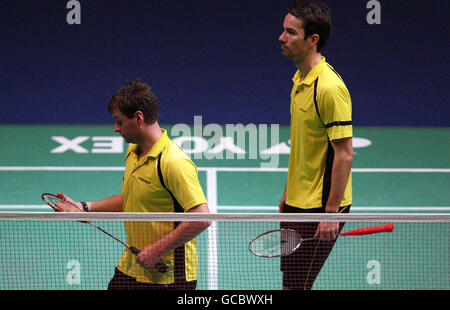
110,204
282,201
184,232
342,164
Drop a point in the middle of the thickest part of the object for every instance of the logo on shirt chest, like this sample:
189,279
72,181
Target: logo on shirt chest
144,180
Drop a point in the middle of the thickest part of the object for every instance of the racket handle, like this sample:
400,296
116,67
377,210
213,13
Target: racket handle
161,267
370,230
134,250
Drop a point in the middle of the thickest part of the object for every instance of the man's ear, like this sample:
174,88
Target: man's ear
313,40
139,117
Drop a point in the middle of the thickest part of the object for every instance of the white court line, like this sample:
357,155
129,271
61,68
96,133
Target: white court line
213,265
28,207
61,168
225,169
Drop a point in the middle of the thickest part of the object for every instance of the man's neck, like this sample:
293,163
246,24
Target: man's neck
151,134
308,63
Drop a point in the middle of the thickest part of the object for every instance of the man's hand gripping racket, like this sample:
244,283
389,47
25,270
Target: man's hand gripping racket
281,242
60,204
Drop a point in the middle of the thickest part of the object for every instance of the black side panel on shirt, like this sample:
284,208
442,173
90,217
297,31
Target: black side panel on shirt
179,253
176,206
315,100
326,182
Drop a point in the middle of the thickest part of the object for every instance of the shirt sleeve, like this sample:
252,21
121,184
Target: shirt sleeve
182,180
335,108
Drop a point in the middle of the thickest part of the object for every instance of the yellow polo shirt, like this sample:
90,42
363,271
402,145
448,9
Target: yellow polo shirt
321,111
143,191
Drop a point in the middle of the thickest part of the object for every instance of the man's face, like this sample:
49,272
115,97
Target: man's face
126,127
293,43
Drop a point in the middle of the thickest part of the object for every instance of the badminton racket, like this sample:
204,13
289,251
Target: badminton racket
282,242
57,204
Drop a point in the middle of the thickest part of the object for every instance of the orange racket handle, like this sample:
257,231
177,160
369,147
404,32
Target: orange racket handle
369,230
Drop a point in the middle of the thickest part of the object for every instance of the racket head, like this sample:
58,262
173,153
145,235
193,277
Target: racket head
59,204
275,243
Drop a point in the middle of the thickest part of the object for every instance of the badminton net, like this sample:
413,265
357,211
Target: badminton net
58,251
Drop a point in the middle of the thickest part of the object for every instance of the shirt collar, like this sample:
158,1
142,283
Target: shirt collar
157,148
311,76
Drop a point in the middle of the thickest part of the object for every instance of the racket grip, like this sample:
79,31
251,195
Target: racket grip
161,267
134,250
370,230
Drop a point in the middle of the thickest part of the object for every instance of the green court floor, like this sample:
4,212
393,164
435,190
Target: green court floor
395,170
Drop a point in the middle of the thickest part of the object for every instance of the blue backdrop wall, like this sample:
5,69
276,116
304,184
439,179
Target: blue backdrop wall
218,59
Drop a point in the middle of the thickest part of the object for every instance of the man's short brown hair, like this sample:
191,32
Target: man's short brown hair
316,18
133,97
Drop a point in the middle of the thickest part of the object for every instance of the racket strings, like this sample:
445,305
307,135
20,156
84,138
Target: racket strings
275,243
289,242
54,202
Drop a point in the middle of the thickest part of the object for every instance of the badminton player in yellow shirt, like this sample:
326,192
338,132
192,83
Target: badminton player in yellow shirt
319,174
159,177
